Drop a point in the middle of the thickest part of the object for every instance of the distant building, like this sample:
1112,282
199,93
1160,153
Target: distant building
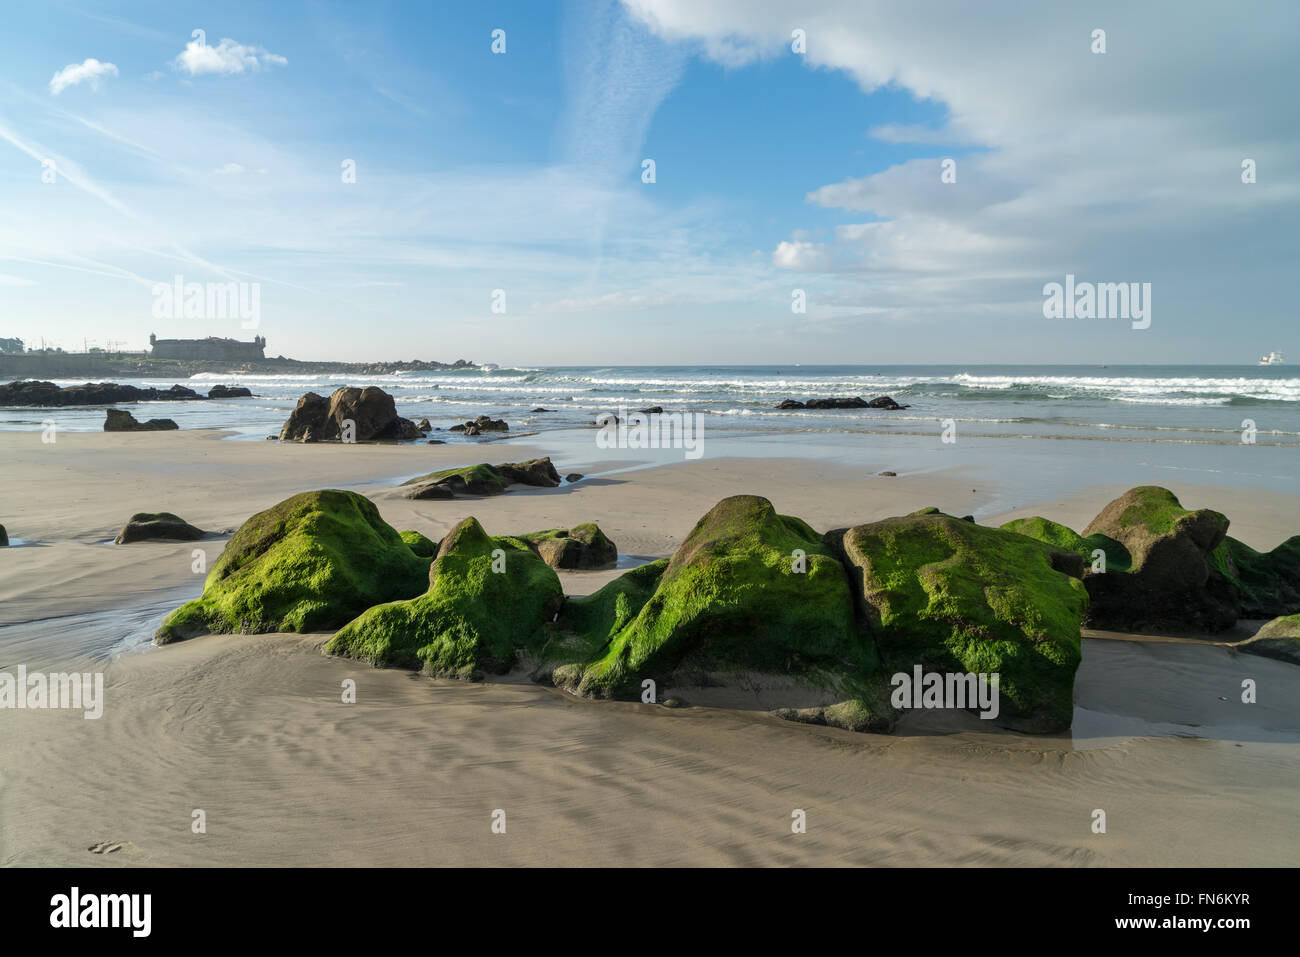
11,345
210,348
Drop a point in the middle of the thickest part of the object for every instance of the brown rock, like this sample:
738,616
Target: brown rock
375,418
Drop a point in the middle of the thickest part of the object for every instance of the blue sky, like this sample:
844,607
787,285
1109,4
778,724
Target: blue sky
775,171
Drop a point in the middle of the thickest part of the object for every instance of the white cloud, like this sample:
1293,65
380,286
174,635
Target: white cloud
1124,165
801,255
90,71
616,75
226,57
8,280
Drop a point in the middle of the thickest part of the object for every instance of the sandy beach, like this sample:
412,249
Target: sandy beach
252,729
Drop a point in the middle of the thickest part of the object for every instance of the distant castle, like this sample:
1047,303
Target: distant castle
210,348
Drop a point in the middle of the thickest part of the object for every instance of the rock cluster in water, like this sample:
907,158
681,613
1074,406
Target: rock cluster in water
349,414
851,402
33,392
484,423
119,420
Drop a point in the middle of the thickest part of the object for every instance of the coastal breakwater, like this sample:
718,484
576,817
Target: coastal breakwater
143,365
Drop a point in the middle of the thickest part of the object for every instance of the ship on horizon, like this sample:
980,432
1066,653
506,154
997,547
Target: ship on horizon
1272,359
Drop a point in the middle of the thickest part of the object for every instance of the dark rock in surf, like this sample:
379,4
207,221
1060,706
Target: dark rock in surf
229,392
842,402
482,424
371,411
119,420
32,392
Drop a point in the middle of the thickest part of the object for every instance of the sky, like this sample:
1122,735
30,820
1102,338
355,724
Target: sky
500,209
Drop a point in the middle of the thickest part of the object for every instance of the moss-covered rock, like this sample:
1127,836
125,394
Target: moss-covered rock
483,479
871,713
488,597
312,562
953,596
1169,585
422,546
479,479
1264,584
749,590
1067,539
583,546
587,624
1279,639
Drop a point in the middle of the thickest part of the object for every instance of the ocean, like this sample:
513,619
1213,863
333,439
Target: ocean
1171,404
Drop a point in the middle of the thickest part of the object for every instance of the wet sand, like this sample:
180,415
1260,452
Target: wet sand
253,731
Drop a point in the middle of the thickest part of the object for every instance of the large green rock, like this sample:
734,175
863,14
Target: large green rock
488,597
748,590
420,544
1279,638
587,624
312,562
1172,583
1067,539
956,597
1264,584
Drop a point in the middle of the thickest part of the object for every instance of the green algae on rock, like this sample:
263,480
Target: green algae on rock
587,624
480,479
583,546
1067,539
954,596
1279,638
1171,582
747,591
1264,584
487,598
483,479
314,561
421,545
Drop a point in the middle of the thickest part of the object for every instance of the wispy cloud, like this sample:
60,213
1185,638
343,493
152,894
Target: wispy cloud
908,133
89,72
68,169
227,57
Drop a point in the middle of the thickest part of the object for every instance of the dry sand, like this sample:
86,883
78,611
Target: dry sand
251,729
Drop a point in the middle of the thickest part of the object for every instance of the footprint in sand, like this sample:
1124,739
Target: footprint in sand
111,847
